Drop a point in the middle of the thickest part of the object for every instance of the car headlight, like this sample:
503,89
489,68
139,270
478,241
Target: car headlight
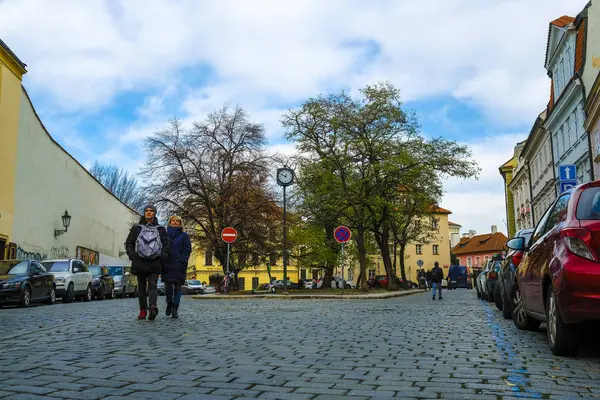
60,279
14,285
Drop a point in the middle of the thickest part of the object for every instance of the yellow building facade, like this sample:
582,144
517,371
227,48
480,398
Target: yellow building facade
203,265
11,75
507,171
423,255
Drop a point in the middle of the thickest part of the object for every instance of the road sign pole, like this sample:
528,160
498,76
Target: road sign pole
343,283
227,259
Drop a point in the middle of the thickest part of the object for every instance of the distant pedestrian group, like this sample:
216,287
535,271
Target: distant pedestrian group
155,250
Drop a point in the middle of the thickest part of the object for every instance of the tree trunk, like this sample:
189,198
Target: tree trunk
329,238
362,257
401,256
383,241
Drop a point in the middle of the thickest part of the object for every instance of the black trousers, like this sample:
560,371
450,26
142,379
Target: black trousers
147,289
173,292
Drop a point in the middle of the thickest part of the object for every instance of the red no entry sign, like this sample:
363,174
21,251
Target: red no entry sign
229,235
342,234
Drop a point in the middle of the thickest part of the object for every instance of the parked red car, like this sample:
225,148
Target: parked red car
558,280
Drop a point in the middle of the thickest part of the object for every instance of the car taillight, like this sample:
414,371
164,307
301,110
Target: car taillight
517,258
492,275
580,242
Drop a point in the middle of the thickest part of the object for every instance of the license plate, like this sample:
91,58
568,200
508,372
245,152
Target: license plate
453,281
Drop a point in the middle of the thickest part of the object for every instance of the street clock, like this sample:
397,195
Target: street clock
285,176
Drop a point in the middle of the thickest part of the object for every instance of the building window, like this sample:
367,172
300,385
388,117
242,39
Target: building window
434,223
302,274
477,261
469,262
419,248
255,282
208,258
242,283
371,273
436,249
417,224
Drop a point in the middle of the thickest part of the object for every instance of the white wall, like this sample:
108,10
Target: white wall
592,46
50,181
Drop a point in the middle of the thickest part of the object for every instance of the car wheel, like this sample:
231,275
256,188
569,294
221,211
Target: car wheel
68,297
497,297
489,295
478,293
506,308
134,294
88,294
562,338
111,295
51,296
101,293
25,297
522,321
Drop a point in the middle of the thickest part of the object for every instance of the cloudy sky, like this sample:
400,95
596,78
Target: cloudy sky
105,74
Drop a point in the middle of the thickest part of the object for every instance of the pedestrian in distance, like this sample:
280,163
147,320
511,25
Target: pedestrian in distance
175,269
147,246
437,275
428,277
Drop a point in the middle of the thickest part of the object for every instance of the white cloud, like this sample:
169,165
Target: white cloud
479,204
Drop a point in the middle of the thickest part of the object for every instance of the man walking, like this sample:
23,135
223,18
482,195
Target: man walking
147,246
437,275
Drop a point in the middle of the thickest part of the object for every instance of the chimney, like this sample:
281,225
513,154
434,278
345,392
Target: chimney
494,229
472,233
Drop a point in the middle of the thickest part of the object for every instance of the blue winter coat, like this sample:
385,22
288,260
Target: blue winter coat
174,270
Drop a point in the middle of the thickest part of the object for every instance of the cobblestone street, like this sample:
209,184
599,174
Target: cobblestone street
407,347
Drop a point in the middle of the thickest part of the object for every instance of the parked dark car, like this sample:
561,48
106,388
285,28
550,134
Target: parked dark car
23,282
491,277
558,280
103,284
506,275
458,277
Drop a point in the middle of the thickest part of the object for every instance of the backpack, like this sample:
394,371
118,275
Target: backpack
437,275
148,243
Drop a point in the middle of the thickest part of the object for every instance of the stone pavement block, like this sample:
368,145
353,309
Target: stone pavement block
70,394
267,388
372,393
94,373
69,386
340,384
148,387
187,390
101,392
4,393
335,397
203,397
214,378
28,396
31,389
236,392
103,382
317,390
286,396
310,384
221,385
153,395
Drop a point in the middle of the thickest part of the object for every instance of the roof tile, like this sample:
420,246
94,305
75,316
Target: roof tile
579,47
489,242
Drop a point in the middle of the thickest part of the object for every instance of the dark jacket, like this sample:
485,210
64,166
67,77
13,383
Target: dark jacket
440,273
175,268
143,265
428,276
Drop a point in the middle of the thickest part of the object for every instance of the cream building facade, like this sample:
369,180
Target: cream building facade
41,180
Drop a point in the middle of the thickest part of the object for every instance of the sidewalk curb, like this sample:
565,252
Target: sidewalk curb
378,296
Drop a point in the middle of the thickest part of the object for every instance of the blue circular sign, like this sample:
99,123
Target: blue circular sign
342,234
420,263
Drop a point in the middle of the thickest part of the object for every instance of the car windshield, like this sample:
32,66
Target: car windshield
95,270
588,207
115,271
13,267
194,283
56,266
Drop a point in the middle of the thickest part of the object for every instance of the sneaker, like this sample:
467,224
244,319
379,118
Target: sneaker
433,298
153,313
142,314
441,298
169,309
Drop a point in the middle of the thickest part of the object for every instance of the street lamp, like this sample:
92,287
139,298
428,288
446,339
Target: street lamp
285,177
66,220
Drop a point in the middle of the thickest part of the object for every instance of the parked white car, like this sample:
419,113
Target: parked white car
72,278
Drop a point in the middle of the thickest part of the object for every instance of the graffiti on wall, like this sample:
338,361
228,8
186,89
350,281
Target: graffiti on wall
30,255
59,252
88,256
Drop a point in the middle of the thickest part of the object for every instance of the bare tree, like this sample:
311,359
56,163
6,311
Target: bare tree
120,183
216,175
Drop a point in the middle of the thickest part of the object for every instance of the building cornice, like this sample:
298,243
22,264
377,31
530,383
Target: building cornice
10,59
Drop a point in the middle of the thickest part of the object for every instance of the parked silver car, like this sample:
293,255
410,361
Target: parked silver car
126,283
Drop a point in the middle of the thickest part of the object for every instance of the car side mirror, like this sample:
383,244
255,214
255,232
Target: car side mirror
517,243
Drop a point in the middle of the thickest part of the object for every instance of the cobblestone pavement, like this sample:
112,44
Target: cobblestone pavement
406,347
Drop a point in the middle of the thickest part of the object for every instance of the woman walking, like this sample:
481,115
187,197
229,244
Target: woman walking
174,271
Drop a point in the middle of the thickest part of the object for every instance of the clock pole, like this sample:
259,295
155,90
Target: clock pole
284,245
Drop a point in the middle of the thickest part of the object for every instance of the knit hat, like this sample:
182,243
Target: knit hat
151,206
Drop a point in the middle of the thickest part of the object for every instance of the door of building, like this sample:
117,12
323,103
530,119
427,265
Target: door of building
2,248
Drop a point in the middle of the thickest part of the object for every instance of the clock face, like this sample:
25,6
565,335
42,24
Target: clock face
285,176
